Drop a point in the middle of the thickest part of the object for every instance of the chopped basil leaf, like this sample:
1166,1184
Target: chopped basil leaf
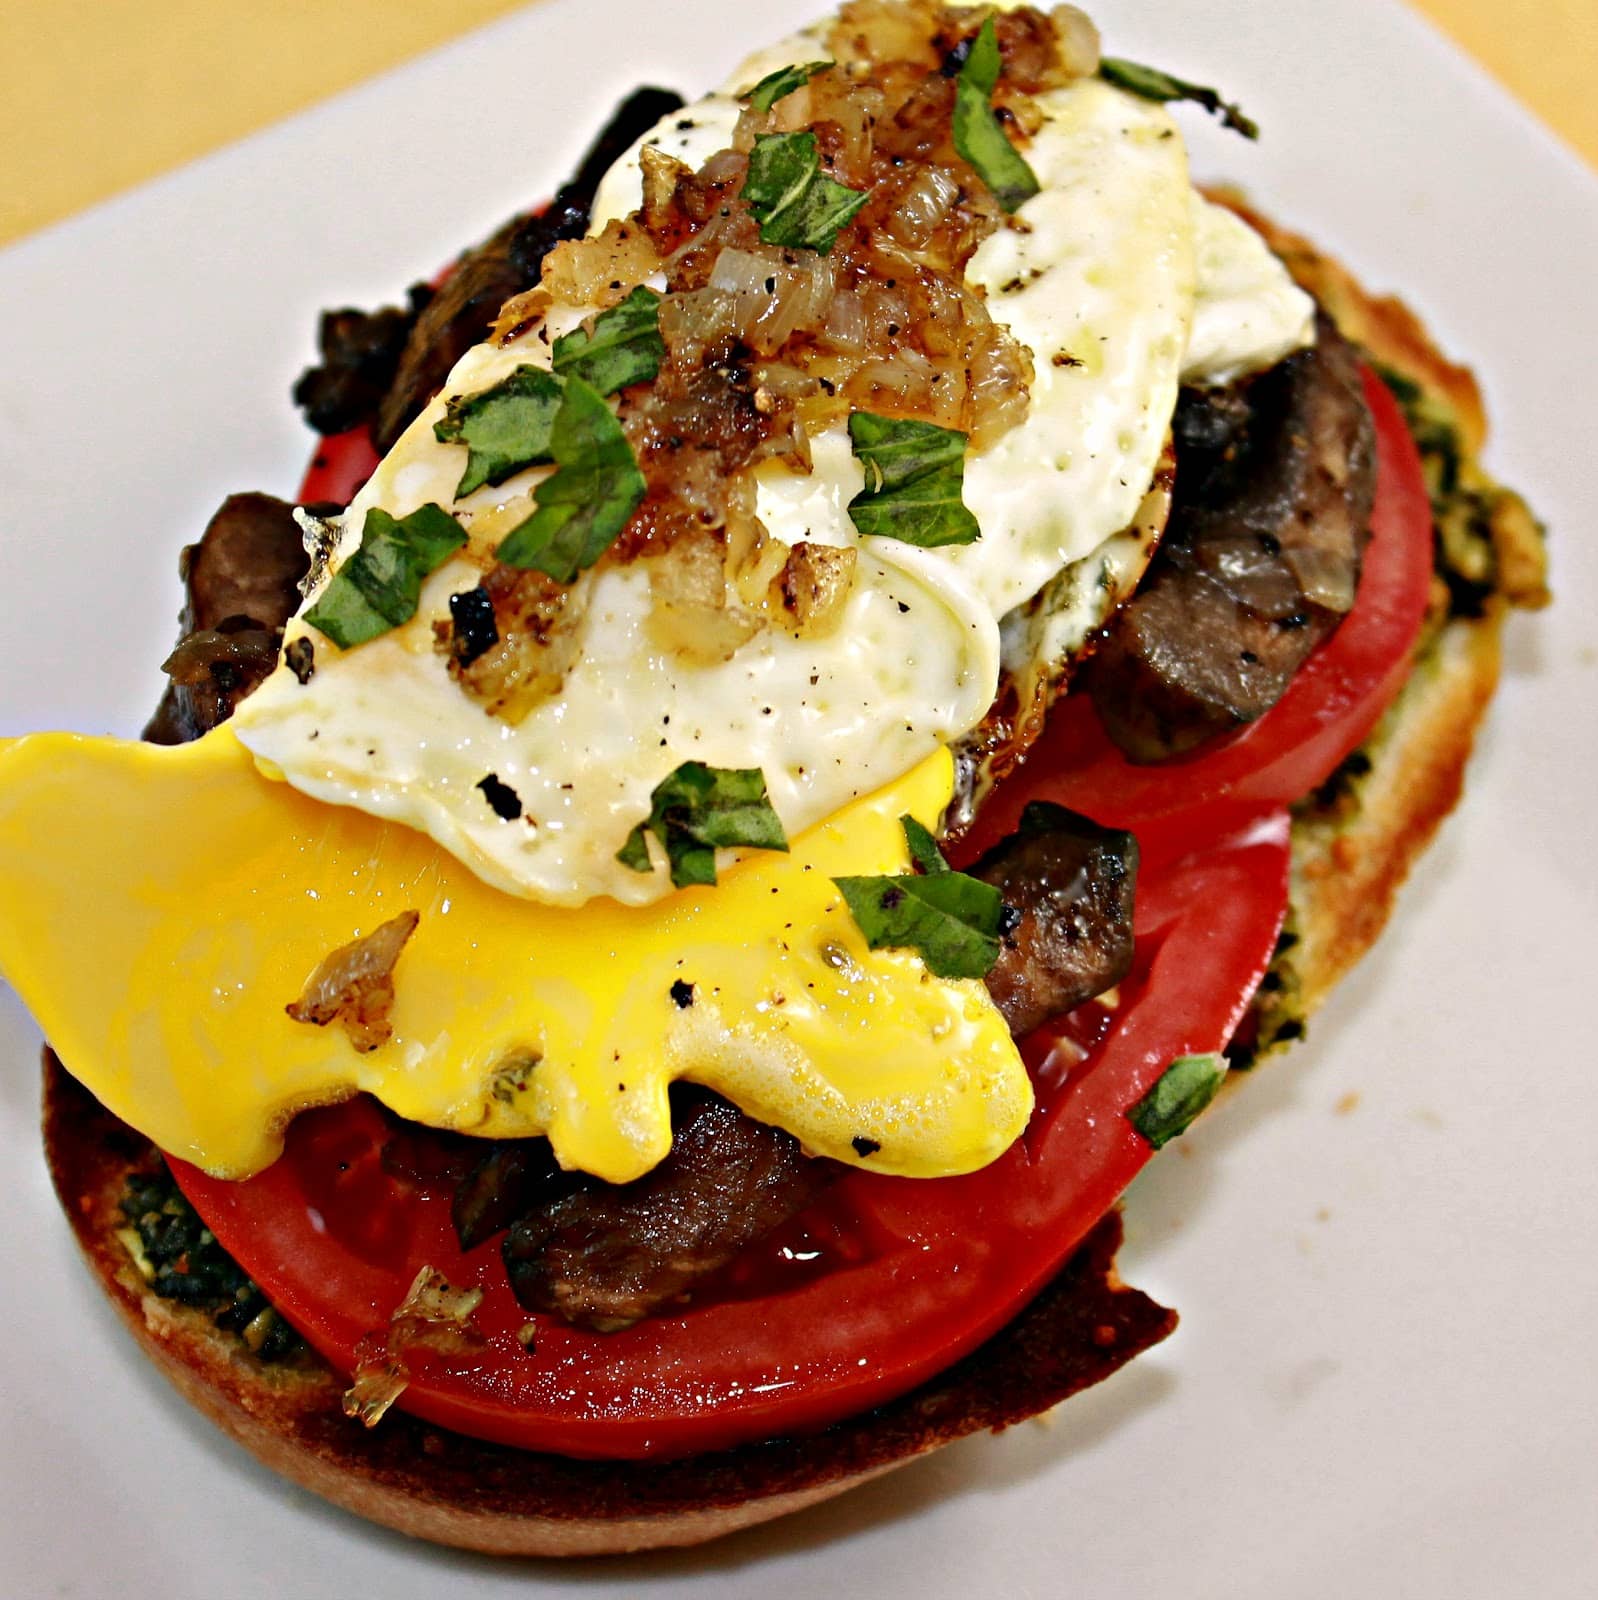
780,84
625,345
380,585
504,428
950,918
914,475
586,501
1184,1089
634,853
1152,84
697,810
924,849
979,136
794,202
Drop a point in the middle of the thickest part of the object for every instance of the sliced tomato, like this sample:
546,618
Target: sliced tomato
342,463
1328,710
903,1276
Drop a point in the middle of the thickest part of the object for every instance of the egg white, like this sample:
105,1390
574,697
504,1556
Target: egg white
1116,267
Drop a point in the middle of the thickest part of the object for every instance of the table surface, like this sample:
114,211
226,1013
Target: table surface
112,95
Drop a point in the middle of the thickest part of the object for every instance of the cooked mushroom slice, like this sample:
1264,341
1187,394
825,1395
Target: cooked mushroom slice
242,582
468,300
605,1257
1260,561
1070,884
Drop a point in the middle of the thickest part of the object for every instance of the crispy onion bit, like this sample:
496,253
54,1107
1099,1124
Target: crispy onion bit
536,620
693,615
520,314
354,985
1079,40
432,1316
813,587
600,271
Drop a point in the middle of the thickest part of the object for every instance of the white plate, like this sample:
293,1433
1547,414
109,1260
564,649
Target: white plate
1384,1380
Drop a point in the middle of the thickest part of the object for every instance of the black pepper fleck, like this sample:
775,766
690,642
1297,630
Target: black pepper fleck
472,617
682,994
864,1147
502,799
300,659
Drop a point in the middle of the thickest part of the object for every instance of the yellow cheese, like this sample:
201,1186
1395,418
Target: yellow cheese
160,907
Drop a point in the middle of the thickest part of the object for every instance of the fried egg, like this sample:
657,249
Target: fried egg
547,988
1100,280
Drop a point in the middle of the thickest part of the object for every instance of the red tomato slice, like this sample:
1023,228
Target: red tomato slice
1331,705
342,463
906,1276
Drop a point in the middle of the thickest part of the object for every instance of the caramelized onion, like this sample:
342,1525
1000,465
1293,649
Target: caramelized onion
1078,40
813,587
433,1316
691,616
870,31
354,985
600,271
536,620
922,205
765,344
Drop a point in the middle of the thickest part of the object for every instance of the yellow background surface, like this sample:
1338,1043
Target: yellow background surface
100,94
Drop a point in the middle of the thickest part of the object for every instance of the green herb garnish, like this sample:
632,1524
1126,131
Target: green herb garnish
1184,1089
697,810
780,84
952,920
380,585
914,475
924,849
1152,84
794,202
979,136
181,1260
625,345
587,500
504,428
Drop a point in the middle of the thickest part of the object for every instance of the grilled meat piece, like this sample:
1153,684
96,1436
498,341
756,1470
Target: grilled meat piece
513,1178
1072,883
360,353
1260,560
604,1256
453,321
468,300
242,582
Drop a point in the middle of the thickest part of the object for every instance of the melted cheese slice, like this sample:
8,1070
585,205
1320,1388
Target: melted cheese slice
160,907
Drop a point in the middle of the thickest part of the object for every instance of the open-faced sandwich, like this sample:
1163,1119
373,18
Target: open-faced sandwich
825,688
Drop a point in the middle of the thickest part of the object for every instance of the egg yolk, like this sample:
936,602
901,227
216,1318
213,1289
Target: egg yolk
160,908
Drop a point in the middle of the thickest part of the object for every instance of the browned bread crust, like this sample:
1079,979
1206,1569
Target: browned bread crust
442,1486
1351,852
